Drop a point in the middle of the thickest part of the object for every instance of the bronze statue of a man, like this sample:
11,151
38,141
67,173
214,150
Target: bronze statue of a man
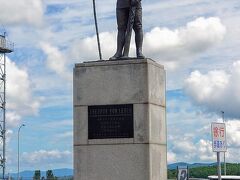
123,13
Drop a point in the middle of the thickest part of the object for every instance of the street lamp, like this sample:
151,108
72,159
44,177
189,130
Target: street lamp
18,147
224,155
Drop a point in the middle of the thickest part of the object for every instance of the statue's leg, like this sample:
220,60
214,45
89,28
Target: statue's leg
122,20
138,32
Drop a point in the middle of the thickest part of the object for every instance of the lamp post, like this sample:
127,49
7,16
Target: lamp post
18,146
224,155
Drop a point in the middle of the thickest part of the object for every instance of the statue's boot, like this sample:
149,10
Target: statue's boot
125,56
116,56
139,43
140,54
120,44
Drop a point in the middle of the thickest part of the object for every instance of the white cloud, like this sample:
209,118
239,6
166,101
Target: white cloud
189,132
187,150
67,134
86,49
175,47
233,155
58,124
21,12
195,144
204,151
56,60
171,47
9,134
202,33
233,133
216,90
63,27
210,86
171,157
184,146
44,159
19,96
13,119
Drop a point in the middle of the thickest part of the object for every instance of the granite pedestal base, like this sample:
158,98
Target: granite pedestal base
140,156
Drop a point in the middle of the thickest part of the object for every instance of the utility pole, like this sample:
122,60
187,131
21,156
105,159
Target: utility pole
224,153
18,150
219,166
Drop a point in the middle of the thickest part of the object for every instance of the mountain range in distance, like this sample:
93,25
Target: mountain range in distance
69,172
193,165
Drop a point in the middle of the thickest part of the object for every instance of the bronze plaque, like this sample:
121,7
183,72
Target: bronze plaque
110,121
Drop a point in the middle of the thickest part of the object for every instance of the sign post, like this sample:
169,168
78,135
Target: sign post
219,143
182,173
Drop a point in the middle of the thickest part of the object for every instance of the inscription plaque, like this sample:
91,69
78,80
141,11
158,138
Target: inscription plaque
110,121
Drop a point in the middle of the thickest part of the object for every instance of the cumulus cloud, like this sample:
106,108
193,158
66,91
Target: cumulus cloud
20,99
233,138
204,151
233,155
233,133
46,159
171,157
177,46
21,12
9,134
13,119
56,60
184,146
171,47
216,90
189,134
87,49
188,148
190,151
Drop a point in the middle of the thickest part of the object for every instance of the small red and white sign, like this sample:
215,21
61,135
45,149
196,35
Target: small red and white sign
219,143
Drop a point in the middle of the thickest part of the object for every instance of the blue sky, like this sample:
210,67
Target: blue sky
196,40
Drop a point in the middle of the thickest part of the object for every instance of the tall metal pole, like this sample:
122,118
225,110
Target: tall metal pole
96,26
219,166
18,149
4,112
224,153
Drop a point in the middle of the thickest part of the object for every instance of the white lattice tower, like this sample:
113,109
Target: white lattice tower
5,47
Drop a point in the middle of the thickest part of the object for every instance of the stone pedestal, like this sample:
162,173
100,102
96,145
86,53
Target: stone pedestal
142,155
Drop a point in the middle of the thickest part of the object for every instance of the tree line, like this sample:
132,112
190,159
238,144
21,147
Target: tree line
49,176
205,171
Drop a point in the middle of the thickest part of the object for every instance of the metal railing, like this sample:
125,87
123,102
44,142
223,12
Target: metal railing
5,45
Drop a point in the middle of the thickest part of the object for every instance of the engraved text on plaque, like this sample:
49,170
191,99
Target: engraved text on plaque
110,121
